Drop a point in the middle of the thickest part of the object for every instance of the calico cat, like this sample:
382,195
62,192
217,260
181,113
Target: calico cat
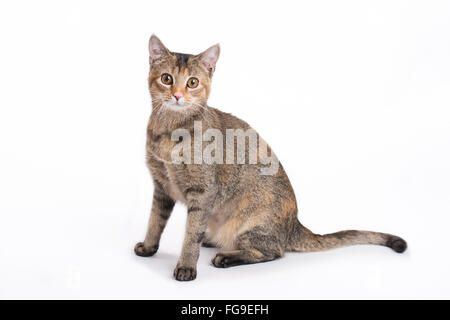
233,206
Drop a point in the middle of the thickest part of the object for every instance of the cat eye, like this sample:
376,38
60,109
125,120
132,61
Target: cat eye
192,82
166,79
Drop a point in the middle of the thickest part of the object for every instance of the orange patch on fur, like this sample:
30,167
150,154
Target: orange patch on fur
289,206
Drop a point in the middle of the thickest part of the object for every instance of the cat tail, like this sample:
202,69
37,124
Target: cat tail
303,240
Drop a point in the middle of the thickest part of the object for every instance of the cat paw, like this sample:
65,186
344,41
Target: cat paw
142,251
222,261
185,273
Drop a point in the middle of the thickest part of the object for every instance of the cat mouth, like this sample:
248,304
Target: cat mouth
176,106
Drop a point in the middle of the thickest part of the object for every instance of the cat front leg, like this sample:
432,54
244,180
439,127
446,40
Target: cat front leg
162,207
199,205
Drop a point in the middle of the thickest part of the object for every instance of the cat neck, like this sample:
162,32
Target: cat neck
164,120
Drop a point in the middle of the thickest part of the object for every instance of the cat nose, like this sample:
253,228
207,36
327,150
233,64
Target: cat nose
178,95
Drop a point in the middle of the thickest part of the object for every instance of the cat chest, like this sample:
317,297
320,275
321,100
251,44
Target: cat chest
161,147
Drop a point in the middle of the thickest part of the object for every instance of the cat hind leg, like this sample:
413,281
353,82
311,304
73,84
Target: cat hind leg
253,246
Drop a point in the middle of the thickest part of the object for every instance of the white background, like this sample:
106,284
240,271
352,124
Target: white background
354,97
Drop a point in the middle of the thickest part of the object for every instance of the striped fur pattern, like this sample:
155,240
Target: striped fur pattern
251,217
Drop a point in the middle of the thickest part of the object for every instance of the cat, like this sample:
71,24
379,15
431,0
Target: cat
251,216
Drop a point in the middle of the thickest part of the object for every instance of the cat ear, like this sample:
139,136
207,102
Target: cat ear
209,57
156,49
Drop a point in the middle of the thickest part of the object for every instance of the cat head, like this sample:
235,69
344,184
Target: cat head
180,82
